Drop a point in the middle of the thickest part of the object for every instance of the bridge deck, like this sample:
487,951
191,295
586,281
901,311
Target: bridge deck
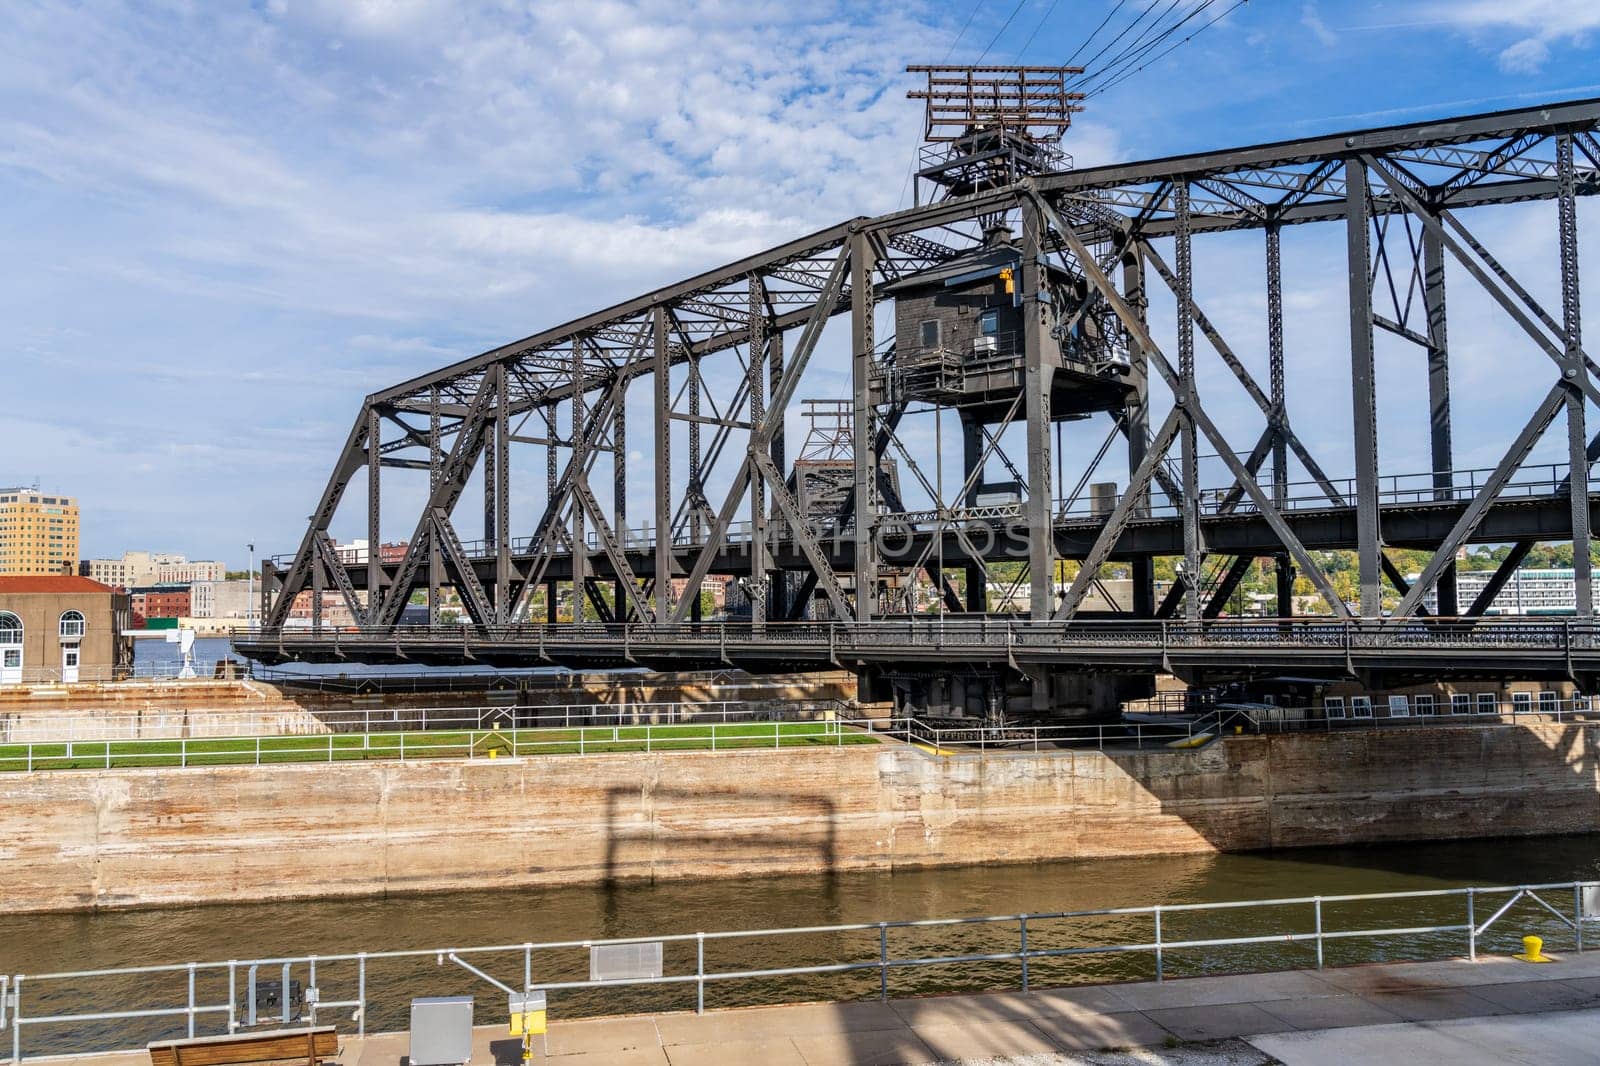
1325,647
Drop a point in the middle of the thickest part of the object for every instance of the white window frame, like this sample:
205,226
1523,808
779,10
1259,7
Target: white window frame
1399,706
1360,706
1488,703
1461,703
72,618
1423,705
1333,706
1548,701
1522,703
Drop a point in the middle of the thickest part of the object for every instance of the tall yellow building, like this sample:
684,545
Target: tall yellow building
38,532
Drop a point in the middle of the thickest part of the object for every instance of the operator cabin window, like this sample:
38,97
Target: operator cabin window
930,333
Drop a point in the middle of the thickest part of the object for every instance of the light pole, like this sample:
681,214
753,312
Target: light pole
250,589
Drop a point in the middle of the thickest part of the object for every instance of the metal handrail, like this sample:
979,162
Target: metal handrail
150,722
1358,633
478,743
1158,946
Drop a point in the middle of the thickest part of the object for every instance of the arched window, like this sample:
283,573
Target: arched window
10,628
72,625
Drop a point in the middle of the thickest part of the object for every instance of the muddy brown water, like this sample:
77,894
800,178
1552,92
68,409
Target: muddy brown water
39,944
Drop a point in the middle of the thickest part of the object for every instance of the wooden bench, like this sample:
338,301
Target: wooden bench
309,1046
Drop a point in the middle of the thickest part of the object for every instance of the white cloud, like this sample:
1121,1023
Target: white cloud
1538,24
1311,20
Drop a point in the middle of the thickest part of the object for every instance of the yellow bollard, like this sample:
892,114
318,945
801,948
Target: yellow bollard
1533,950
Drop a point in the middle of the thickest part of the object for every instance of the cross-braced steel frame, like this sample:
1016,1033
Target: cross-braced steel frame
723,354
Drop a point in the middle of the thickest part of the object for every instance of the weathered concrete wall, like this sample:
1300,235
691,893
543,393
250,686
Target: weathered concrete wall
149,837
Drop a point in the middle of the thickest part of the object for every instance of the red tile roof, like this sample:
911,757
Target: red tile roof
48,584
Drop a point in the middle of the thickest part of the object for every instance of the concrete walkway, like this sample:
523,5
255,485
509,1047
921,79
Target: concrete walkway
1460,1012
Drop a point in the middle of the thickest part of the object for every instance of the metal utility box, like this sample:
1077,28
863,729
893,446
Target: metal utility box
269,1001
441,1030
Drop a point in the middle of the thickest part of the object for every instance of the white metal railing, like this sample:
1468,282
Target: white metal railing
403,746
154,722
187,993
984,737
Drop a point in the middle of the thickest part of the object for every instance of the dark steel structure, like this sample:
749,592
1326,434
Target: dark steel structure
1067,262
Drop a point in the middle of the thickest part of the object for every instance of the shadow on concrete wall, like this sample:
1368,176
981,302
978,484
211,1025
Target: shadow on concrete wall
634,820
1385,785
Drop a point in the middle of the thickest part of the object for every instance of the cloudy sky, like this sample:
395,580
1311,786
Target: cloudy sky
227,222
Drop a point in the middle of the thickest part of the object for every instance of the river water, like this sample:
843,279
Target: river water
45,943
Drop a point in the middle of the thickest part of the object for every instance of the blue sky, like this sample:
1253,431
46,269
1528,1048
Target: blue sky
225,223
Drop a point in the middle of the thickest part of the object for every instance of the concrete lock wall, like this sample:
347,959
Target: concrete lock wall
84,839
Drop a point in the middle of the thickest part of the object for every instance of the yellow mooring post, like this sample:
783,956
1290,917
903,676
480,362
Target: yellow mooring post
1533,950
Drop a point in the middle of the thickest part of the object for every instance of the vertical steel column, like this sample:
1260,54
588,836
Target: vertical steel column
778,596
621,605
319,570
863,339
755,377
971,456
1137,415
1279,415
1186,399
491,477
500,443
1443,451
663,464
1037,376
374,510
697,491
435,468
1364,387
1573,372
551,480
580,541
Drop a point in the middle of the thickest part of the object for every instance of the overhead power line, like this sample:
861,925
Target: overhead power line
1002,29
1157,58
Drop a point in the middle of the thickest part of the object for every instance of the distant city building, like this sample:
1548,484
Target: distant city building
159,601
38,532
220,599
139,568
61,628
1529,591
335,612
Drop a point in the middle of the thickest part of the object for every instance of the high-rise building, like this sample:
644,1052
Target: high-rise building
38,532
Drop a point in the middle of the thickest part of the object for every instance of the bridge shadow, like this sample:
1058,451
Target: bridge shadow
643,841
1443,781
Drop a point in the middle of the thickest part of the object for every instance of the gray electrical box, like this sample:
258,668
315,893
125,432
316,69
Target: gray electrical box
441,1031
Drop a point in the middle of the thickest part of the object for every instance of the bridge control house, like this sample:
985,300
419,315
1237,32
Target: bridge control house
62,629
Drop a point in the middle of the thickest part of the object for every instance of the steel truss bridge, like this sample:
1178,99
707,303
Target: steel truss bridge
722,357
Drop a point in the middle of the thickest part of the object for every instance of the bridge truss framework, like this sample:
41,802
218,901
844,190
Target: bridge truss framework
1398,193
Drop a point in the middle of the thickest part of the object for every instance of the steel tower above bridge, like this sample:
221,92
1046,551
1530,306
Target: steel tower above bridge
1012,304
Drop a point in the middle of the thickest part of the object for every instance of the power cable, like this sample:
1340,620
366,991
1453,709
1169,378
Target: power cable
1001,30
1036,28
1123,33
1128,74
1090,39
1142,46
